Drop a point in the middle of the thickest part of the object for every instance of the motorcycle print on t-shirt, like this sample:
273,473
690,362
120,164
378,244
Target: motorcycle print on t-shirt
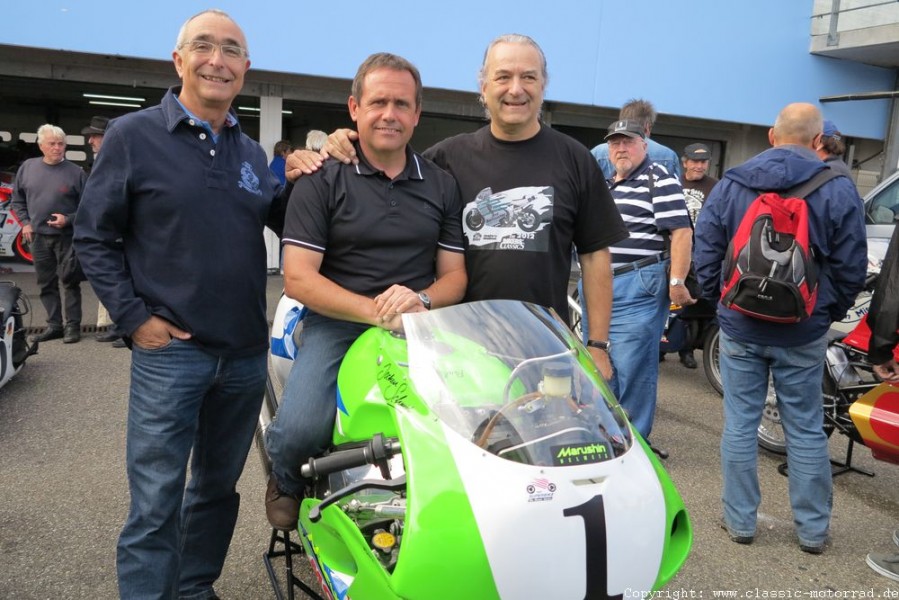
694,199
516,219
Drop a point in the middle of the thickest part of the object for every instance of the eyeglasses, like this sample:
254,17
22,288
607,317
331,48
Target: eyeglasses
206,48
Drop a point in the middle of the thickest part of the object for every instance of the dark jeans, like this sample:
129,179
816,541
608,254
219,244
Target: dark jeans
304,424
48,252
185,406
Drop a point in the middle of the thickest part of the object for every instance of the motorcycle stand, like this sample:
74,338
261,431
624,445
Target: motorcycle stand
289,549
837,467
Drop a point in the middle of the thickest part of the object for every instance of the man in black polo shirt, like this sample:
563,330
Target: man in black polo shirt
362,245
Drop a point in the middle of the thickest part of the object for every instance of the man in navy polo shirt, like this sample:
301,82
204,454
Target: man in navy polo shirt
362,244
188,193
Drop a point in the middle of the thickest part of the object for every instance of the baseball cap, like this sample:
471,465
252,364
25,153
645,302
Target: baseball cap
698,152
626,127
830,129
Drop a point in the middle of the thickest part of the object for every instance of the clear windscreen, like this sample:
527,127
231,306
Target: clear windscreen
511,378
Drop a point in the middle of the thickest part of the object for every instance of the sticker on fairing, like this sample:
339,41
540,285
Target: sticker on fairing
540,490
580,454
285,346
340,582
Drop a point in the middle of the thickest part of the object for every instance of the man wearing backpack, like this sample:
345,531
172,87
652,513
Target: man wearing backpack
753,349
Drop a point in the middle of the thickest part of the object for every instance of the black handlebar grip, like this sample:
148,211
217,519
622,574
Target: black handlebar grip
377,448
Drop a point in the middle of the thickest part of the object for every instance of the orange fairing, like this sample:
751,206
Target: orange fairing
876,416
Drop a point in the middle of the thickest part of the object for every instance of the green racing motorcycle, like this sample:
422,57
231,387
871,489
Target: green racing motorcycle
479,454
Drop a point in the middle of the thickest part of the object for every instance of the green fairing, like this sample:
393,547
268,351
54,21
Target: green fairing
680,531
376,365
361,381
378,396
445,530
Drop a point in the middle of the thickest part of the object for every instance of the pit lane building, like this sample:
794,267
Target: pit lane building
717,72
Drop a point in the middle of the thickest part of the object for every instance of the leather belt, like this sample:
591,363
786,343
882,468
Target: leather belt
639,264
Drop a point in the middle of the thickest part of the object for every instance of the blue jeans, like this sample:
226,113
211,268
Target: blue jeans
640,307
797,373
185,404
303,426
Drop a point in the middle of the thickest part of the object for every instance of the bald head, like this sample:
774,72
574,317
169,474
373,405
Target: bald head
799,123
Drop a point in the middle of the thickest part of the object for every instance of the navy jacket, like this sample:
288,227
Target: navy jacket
190,214
836,230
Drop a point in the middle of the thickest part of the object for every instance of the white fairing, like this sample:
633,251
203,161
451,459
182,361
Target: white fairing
6,368
551,553
283,350
9,226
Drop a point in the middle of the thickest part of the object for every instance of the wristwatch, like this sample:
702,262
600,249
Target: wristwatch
425,300
675,282
601,344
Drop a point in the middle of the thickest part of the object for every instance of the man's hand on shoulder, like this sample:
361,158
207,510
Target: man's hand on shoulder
302,162
340,146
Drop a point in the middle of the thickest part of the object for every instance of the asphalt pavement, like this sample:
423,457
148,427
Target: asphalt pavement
63,494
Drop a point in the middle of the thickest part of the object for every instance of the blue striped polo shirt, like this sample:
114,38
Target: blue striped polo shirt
647,214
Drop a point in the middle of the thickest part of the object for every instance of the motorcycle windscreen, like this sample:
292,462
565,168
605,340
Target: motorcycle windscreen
511,378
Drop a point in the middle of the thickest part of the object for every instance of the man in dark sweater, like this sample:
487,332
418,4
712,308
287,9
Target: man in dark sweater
46,196
188,195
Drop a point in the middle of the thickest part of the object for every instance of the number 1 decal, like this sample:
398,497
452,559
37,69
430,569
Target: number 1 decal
594,515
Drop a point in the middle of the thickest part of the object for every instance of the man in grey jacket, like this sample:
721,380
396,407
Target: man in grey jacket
46,196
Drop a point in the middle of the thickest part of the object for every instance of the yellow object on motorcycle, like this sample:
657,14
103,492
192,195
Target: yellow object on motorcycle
876,416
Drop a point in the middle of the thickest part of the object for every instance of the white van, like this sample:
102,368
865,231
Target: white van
881,210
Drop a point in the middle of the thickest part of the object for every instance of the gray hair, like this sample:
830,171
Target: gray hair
315,139
47,130
513,38
182,33
510,38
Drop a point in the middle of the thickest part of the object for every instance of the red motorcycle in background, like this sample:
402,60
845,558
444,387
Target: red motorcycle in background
857,403
12,242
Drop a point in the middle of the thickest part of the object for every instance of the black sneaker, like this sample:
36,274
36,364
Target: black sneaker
108,336
281,509
72,333
688,361
813,548
50,333
738,539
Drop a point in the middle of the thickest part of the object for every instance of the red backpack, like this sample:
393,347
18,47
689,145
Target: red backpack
769,268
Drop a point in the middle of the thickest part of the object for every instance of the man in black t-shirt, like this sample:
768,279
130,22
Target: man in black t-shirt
530,195
697,184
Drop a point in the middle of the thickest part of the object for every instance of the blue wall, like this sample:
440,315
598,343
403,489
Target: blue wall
738,61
